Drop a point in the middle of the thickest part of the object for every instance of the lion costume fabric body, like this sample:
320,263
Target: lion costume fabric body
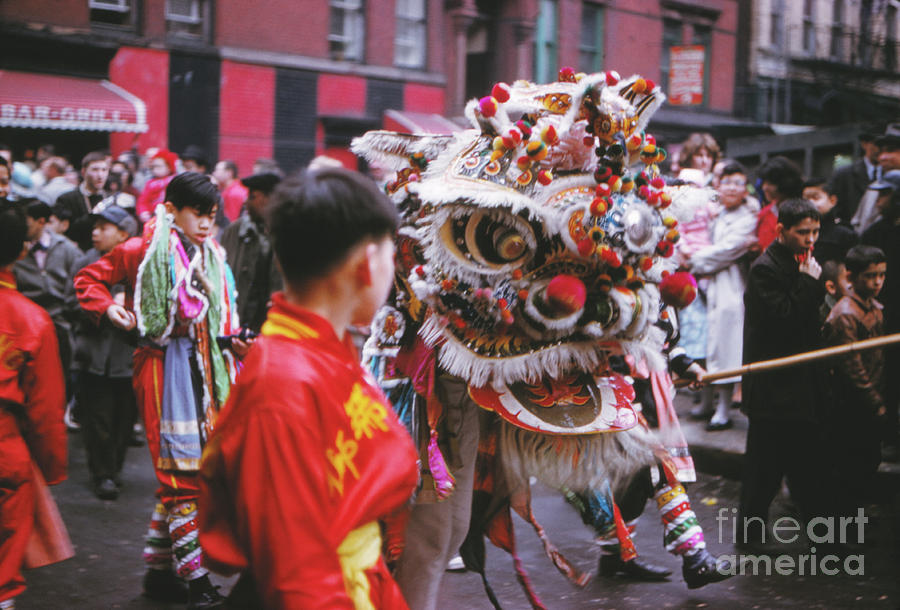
529,259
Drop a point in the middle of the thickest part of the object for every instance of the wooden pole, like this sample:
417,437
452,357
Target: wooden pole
819,354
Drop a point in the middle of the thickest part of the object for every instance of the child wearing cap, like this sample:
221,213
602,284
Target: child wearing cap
180,296
103,359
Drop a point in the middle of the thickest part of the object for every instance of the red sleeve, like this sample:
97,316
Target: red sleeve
45,400
92,283
286,537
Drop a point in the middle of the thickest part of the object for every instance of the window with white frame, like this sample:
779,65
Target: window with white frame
837,31
776,23
187,19
809,27
409,38
118,13
545,43
346,37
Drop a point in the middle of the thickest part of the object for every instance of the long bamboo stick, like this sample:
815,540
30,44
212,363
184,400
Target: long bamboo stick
778,363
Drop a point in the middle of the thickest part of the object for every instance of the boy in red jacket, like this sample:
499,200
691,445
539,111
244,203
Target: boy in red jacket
32,401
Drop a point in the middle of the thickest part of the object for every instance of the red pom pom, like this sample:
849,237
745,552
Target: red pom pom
586,246
420,270
488,106
650,85
603,190
665,248
588,141
501,92
566,294
545,177
657,183
678,289
612,77
566,75
599,206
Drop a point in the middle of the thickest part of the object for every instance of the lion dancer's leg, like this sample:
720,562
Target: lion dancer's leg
614,523
682,533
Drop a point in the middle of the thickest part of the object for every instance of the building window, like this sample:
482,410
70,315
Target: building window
672,37
118,13
409,39
703,37
890,39
590,50
346,38
837,31
545,41
776,23
188,19
809,27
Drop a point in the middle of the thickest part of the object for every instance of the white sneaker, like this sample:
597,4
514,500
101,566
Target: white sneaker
456,565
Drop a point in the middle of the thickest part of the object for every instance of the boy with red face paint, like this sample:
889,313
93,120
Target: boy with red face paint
181,298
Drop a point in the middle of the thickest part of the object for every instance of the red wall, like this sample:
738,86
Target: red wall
340,95
286,26
56,12
246,113
424,98
144,73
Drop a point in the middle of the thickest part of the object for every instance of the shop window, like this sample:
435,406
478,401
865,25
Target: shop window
590,49
347,31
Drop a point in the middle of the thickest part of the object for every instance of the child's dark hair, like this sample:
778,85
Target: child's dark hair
193,190
817,182
13,231
732,168
35,208
316,217
784,174
831,271
792,211
61,212
860,257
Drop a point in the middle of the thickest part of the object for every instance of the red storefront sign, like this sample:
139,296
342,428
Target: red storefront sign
686,75
41,101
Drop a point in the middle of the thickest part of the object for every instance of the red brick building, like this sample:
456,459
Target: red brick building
289,79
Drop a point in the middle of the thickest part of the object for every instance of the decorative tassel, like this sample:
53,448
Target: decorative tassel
575,576
626,545
444,483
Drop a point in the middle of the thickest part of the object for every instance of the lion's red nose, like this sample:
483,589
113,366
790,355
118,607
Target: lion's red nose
565,294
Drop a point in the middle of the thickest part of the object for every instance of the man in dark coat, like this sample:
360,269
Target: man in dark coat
81,201
850,182
250,255
784,406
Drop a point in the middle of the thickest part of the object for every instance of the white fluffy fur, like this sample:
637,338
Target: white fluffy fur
578,463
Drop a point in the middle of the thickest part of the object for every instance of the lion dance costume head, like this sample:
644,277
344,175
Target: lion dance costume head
535,247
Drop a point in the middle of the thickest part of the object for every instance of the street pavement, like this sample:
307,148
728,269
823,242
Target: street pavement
107,569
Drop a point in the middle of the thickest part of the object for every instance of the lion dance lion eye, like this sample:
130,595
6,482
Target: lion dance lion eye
508,244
